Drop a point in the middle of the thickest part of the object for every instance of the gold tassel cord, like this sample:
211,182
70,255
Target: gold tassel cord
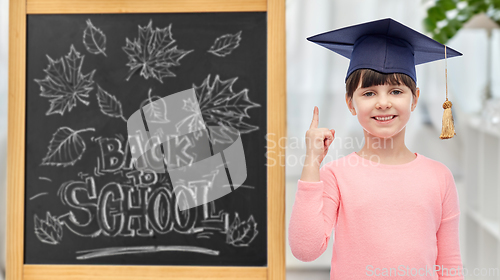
448,129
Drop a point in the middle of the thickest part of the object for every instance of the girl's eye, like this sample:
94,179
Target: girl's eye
396,92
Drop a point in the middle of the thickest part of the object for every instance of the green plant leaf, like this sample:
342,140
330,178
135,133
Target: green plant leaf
455,23
449,31
482,7
478,6
446,5
429,24
440,37
465,14
437,13
474,2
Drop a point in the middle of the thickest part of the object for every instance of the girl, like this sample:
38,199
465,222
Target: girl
395,213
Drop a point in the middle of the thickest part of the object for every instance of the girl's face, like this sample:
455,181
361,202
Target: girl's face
382,100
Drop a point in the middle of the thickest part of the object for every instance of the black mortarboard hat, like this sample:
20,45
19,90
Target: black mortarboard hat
384,45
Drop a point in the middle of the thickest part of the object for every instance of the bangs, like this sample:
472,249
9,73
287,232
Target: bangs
371,77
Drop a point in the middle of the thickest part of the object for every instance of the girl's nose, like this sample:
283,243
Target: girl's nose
383,103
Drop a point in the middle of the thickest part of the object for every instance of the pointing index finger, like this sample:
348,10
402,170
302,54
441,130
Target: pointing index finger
315,120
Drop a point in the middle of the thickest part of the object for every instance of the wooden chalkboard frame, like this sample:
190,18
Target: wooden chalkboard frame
276,123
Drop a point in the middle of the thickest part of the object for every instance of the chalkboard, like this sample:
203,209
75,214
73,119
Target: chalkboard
86,75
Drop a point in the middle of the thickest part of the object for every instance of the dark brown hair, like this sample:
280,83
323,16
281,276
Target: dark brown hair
371,77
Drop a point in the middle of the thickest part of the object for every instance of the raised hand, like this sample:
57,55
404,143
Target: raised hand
318,140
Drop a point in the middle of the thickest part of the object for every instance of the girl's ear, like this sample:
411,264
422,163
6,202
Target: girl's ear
415,99
349,105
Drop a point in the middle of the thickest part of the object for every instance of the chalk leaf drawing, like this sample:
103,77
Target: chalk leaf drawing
242,233
195,121
153,53
94,39
66,147
48,231
109,105
219,106
155,109
65,83
225,44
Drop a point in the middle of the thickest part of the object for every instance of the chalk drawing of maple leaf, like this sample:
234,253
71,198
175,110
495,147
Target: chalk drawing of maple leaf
221,108
48,231
241,233
65,83
152,53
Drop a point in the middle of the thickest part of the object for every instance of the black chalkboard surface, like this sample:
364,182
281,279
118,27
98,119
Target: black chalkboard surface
85,203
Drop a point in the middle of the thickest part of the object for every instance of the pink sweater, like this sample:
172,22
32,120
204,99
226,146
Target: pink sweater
389,220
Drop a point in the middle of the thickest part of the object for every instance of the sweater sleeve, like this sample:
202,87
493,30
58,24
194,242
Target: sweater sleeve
448,259
314,214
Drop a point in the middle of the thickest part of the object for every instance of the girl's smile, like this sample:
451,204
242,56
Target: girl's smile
384,120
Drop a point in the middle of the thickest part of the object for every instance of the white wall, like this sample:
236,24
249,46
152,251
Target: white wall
4,39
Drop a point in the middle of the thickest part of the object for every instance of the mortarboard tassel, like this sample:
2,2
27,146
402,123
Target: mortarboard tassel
448,130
